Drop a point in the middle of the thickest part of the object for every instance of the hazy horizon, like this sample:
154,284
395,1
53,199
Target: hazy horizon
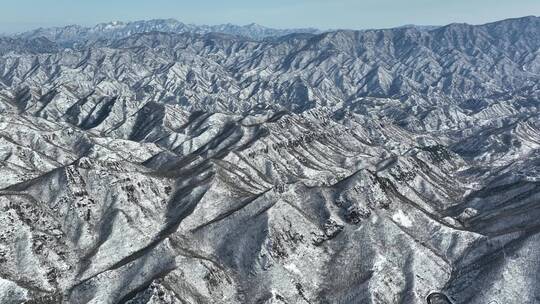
31,14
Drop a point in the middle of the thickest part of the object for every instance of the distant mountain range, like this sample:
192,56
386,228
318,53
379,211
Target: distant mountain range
117,30
67,35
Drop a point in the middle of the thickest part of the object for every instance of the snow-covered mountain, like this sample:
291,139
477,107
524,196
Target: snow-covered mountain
155,164
69,35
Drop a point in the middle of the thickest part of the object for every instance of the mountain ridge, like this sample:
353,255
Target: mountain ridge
117,29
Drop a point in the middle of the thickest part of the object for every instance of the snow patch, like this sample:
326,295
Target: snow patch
292,268
402,219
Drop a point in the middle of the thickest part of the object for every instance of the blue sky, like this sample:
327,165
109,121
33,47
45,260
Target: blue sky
18,15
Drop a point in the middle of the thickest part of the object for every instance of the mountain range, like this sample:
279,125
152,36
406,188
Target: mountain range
158,162
69,35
